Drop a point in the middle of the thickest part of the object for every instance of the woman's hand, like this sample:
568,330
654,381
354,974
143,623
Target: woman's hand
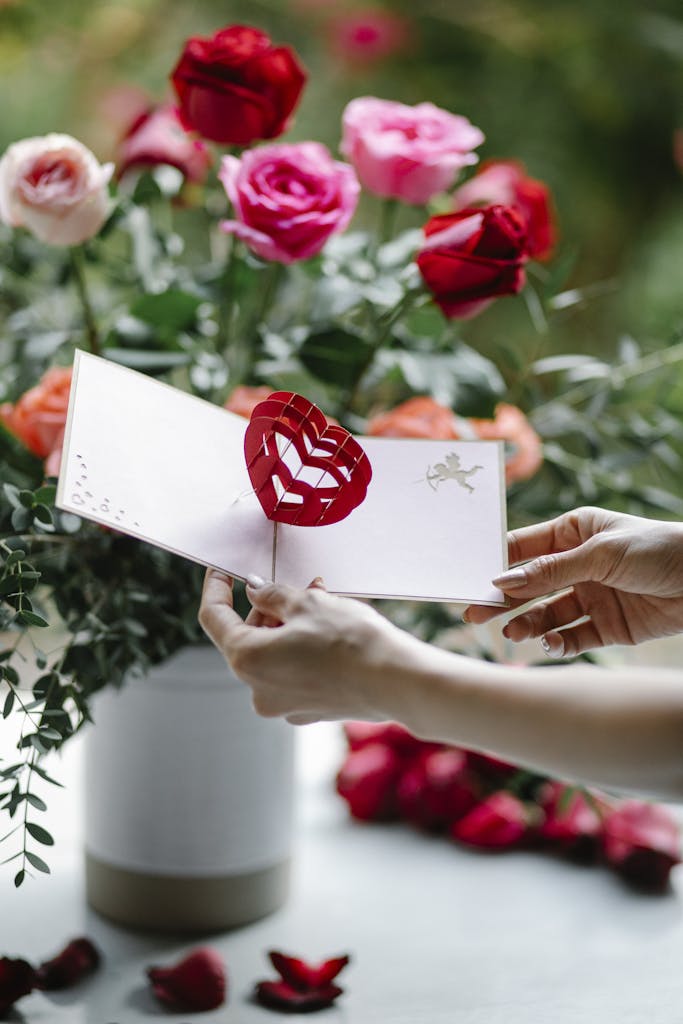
306,654
620,579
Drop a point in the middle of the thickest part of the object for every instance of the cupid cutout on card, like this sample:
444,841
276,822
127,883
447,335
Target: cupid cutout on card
331,472
426,522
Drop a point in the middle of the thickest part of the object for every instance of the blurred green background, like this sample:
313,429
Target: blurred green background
588,94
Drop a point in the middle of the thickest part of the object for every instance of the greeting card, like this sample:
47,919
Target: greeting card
286,495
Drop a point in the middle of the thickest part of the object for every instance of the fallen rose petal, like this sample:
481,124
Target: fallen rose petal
17,979
304,976
198,982
367,781
499,822
78,958
278,995
641,842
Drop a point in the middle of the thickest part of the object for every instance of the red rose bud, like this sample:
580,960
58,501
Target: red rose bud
571,821
304,987
367,781
472,257
79,958
642,843
436,789
497,823
490,769
236,87
196,983
17,979
361,734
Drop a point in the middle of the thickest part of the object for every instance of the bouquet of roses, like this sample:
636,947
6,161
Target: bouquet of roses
234,273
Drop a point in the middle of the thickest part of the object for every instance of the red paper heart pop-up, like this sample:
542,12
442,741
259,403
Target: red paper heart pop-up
304,471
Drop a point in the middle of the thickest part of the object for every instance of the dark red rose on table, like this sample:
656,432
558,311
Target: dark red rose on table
472,257
367,780
236,87
437,789
497,823
642,843
572,821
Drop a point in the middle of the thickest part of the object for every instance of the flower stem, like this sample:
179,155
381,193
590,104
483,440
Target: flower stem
387,220
78,268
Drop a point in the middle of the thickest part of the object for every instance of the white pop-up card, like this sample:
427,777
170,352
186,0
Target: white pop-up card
286,495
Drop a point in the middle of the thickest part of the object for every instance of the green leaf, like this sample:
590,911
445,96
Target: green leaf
26,498
30,619
10,585
19,878
37,862
36,802
16,556
46,494
21,519
48,778
335,356
8,705
173,310
40,834
42,513
12,495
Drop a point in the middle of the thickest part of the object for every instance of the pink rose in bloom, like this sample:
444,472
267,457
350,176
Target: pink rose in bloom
391,734
407,153
53,186
642,843
571,822
236,87
39,417
158,137
497,823
470,258
302,987
288,199
437,789
506,183
366,37
367,781
198,982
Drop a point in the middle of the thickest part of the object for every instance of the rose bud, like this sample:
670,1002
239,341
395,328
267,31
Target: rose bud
391,734
158,137
497,823
236,87
436,789
641,842
17,979
367,781
53,186
304,987
198,982
288,199
470,258
78,958
571,821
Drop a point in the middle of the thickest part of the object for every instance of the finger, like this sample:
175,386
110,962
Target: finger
480,614
317,584
544,617
552,572
568,643
276,599
217,617
301,719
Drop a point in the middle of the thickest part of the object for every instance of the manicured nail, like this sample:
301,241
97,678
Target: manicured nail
466,615
553,647
255,581
511,579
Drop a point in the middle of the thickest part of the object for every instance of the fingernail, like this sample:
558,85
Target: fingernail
255,581
553,647
318,582
510,580
466,615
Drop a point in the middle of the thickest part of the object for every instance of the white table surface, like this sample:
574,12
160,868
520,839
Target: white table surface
437,934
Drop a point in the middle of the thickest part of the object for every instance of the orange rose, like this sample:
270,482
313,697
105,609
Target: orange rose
511,425
39,417
244,399
418,417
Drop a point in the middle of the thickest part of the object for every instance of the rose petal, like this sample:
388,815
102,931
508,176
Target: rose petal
17,979
198,982
304,976
278,995
79,958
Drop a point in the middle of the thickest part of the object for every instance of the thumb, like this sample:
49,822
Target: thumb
274,599
551,572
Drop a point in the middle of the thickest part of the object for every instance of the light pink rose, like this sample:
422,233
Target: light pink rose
54,186
407,153
288,199
158,137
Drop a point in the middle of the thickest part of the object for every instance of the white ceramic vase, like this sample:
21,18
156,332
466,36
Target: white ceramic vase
189,800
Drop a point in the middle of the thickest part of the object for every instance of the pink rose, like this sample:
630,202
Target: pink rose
158,137
506,183
572,822
288,199
642,843
53,186
497,823
407,153
367,37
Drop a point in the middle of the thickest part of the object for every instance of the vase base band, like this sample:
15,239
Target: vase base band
176,904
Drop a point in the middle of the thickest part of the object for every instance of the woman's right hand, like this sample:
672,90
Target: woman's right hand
619,578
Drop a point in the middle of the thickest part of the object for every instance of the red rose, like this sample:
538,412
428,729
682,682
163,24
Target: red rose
506,182
491,770
497,823
642,843
236,87
472,257
391,734
367,781
436,789
571,822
